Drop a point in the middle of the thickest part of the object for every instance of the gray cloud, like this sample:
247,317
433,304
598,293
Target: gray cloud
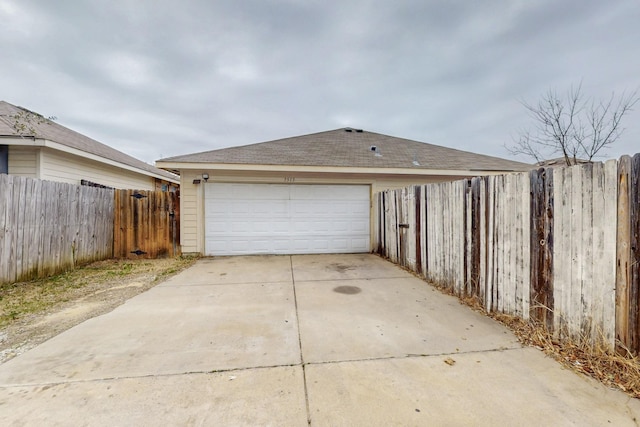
160,78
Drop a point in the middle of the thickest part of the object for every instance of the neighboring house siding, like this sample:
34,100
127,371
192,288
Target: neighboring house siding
63,167
23,161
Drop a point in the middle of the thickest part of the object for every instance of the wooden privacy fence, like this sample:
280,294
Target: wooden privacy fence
559,246
146,224
49,227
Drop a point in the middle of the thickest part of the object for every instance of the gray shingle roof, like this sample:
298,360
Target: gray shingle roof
52,131
348,147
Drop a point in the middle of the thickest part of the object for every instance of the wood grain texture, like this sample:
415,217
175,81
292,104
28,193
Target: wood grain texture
608,271
417,234
49,227
145,224
634,256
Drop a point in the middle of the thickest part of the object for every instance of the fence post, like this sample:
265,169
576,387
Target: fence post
623,249
418,230
541,296
635,250
476,215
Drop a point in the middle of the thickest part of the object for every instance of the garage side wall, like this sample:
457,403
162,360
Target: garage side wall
191,213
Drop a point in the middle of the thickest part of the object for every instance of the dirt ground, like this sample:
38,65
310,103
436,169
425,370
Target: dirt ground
32,312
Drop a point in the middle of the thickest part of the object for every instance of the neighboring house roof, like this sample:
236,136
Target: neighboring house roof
347,147
38,127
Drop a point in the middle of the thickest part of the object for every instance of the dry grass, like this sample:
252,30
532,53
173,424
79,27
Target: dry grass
620,370
33,312
21,299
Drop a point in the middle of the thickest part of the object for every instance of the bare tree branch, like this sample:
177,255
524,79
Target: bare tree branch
573,127
524,145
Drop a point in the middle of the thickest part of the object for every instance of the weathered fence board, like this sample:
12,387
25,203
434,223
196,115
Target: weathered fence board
47,227
541,271
500,242
634,244
574,261
482,239
623,249
560,246
417,195
584,255
628,254
145,224
491,297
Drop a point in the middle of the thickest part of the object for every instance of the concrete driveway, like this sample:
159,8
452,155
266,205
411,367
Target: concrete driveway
330,340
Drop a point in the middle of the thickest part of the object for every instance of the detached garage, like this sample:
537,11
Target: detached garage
306,194
245,219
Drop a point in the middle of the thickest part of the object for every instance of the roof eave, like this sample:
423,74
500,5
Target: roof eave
40,142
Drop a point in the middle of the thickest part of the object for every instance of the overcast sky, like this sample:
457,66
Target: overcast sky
158,78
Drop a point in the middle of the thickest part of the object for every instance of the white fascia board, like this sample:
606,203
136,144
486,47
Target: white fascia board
37,142
16,140
325,169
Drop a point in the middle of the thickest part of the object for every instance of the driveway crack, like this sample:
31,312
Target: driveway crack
304,372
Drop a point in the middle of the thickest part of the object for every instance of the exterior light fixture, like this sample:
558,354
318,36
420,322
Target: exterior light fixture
205,176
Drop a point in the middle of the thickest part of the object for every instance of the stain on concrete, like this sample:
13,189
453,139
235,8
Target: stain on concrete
347,290
341,268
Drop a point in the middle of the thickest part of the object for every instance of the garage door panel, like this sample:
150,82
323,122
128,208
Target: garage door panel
334,192
359,226
340,208
240,227
285,219
240,207
360,242
319,245
359,206
301,207
319,227
271,207
340,244
261,245
247,192
281,245
218,226
301,226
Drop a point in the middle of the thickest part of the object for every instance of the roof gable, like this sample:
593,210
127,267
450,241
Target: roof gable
33,125
347,147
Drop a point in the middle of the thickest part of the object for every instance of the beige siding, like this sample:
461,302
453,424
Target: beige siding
189,215
63,167
23,161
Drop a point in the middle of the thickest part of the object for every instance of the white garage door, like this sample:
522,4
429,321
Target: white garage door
286,219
